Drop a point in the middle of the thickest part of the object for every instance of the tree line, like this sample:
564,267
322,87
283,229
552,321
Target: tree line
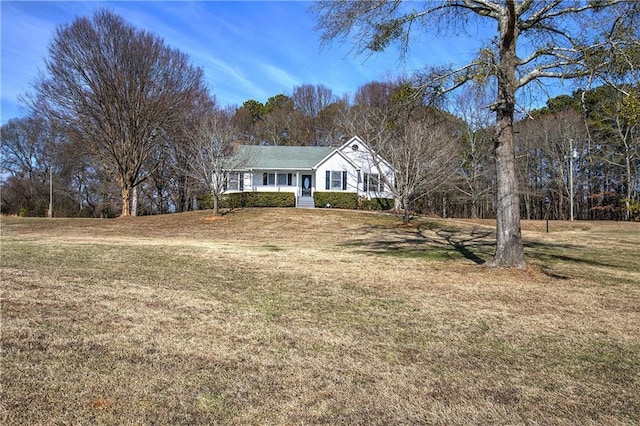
597,141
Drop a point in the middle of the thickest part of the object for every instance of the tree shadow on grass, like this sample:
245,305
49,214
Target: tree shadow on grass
428,241
548,256
468,244
442,241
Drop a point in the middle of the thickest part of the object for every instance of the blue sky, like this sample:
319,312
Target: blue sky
248,49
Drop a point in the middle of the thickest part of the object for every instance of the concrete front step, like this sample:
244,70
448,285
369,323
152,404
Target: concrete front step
305,203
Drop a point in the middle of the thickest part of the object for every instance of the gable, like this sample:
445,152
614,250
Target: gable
360,153
334,155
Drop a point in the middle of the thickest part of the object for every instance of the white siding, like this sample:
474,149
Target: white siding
368,163
336,163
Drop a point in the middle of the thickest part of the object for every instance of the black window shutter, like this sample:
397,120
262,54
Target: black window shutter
344,180
328,180
264,179
365,182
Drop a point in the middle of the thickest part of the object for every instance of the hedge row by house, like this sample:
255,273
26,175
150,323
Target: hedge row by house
376,204
249,199
336,200
259,199
349,200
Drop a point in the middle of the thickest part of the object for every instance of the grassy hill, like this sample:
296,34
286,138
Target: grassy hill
285,316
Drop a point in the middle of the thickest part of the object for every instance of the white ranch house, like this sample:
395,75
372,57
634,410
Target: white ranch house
303,170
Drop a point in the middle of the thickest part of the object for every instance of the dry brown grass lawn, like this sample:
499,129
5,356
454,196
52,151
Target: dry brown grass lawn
273,316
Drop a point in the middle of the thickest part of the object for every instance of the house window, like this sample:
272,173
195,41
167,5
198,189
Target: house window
232,181
235,181
336,180
372,183
284,179
268,179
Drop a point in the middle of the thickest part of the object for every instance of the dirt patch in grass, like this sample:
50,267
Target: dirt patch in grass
284,316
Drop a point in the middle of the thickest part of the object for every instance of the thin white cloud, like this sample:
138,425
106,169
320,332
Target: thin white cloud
279,77
225,77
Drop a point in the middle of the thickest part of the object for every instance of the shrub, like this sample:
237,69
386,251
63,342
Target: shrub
375,203
249,199
233,201
205,202
267,199
336,200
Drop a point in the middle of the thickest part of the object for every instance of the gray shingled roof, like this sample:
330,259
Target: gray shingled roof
282,157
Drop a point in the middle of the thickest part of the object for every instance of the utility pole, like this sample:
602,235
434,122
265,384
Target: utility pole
50,191
547,204
571,179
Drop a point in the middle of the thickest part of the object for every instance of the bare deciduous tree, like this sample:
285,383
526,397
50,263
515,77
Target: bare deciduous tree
425,157
474,180
544,146
26,160
416,140
116,88
312,101
211,152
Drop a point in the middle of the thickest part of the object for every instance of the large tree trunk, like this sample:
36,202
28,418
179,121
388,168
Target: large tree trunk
406,216
126,201
134,201
509,249
216,204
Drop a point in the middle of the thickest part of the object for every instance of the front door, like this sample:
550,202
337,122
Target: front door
306,185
